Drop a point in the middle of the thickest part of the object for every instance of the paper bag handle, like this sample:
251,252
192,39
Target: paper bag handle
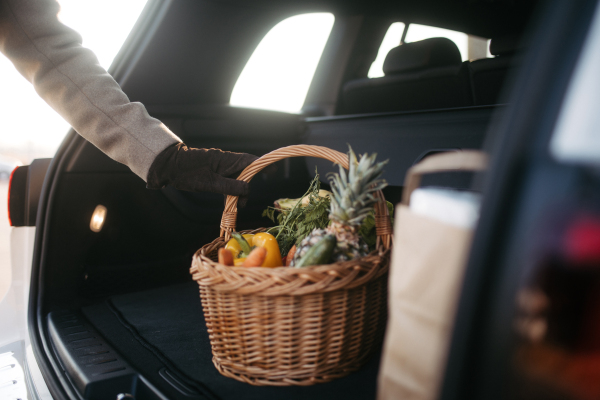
464,160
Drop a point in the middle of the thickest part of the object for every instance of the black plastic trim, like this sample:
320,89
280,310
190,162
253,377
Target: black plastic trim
91,364
35,180
93,368
398,113
57,385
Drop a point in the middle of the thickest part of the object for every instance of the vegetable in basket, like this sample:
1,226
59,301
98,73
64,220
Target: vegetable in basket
225,257
247,250
290,256
320,253
289,204
351,202
298,217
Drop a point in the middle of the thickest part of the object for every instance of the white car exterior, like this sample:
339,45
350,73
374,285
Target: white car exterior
20,376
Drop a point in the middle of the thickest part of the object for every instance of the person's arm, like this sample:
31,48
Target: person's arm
69,78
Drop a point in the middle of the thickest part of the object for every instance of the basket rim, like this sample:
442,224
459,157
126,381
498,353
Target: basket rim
285,280
229,217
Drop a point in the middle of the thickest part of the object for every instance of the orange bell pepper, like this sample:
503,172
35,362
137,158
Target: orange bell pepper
241,250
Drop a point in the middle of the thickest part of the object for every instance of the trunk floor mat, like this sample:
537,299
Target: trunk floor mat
167,324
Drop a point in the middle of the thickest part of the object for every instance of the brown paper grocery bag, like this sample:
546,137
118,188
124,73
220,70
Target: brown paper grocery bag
424,283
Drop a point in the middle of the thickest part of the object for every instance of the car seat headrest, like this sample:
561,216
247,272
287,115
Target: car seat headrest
505,45
428,53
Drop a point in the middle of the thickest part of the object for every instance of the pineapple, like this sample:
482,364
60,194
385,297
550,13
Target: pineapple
351,202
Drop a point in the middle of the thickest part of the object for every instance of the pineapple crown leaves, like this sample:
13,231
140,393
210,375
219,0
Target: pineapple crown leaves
353,191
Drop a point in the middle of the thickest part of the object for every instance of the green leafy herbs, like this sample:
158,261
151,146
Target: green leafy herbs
295,223
297,218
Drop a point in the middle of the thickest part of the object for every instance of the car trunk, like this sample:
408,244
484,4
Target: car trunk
117,310
128,289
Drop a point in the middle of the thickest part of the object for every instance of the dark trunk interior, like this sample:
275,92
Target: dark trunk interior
130,283
119,308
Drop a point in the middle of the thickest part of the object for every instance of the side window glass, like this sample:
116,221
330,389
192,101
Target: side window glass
90,17
391,39
279,72
471,47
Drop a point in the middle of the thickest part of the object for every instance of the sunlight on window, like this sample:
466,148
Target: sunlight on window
90,18
391,40
280,70
418,32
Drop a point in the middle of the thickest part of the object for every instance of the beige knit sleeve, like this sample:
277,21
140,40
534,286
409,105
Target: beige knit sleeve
69,78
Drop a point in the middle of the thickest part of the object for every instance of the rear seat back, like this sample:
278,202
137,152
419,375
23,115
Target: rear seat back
404,137
427,74
488,74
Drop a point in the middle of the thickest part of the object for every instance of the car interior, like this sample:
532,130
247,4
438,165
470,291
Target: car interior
118,308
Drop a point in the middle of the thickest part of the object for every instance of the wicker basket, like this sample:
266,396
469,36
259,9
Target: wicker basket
293,326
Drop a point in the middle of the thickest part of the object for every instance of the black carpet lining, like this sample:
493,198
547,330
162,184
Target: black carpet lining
167,325
172,367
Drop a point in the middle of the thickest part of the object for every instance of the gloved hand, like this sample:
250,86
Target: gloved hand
199,170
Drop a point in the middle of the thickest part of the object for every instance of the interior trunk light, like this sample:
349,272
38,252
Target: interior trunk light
98,217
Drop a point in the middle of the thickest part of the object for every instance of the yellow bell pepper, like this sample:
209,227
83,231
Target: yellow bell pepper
262,239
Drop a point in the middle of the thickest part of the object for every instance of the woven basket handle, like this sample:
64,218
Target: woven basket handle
464,160
383,226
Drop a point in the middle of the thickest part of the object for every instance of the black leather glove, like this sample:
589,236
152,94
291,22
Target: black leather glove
199,170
